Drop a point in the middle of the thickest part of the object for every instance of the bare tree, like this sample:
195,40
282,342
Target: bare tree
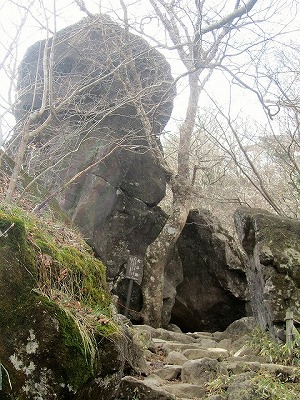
266,154
202,39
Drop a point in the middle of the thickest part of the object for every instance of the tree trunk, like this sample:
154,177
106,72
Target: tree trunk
18,165
157,255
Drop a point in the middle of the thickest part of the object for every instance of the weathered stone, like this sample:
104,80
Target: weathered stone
206,343
167,347
242,387
214,353
199,371
176,358
173,336
213,292
239,328
238,367
243,351
201,335
239,377
169,372
225,344
143,390
186,390
135,352
273,269
278,368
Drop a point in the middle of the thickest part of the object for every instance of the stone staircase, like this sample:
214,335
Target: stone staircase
180,366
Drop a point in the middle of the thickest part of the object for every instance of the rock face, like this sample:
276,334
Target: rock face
101,76
213,292
46,348
272,246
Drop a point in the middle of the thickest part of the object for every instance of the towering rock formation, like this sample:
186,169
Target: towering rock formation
102,76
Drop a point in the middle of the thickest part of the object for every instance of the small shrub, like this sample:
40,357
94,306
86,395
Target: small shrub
275,352
270,387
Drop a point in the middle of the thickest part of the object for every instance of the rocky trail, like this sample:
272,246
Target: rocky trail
200,365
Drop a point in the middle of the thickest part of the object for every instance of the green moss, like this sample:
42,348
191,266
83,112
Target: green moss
15,250
13,228
84,275
62,272
72,346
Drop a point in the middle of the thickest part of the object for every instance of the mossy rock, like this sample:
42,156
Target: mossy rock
272,244
57,337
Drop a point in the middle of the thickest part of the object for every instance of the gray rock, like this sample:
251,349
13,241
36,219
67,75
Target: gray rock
167,347
175,358
225,344
199,371
143,389
206,343
278,368
273,268
214,353
42,347
135,353
242,387
238,367
185,390
201,335
169,372
243,351
173,336
239,329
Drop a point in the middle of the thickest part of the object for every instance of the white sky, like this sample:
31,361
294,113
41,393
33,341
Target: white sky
68,13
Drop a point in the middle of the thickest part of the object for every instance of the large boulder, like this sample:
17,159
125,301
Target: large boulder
58,338
272,246
101,79
213,292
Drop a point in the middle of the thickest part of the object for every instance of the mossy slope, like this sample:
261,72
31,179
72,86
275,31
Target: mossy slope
55,308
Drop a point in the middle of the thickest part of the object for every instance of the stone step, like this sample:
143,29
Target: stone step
168,372
186,390
176,358
150,389
165,335
168,346
181,367
214,353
